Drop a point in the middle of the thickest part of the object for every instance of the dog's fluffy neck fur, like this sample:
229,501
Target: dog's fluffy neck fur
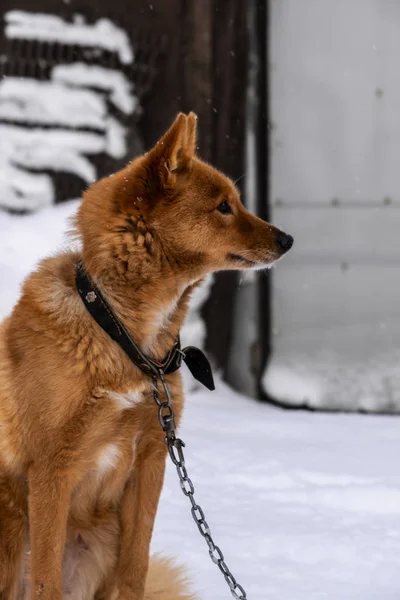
153,323
136,269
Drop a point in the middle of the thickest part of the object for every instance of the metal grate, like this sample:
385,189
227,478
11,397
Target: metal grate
32,58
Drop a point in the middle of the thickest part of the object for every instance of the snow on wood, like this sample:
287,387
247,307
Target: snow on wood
94,76
42,149
86,142
20,190
54,125
51,28
50,103
115,142
49,158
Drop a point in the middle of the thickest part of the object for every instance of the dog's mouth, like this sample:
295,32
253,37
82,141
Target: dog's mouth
240,259
262,263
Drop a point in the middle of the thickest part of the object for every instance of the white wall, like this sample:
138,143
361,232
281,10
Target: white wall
335,185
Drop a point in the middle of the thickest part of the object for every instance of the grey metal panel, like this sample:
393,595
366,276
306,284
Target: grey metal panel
335,185
335,100
309,301
336,235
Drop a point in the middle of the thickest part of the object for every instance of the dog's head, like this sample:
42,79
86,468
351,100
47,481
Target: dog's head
169,208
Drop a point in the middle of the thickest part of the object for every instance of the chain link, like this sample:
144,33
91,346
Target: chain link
175,449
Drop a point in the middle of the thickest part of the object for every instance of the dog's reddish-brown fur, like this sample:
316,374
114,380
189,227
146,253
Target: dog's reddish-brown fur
82,454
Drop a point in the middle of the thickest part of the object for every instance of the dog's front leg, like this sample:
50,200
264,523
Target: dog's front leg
49,498
138,511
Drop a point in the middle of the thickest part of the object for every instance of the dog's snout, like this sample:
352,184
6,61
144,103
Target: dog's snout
284,240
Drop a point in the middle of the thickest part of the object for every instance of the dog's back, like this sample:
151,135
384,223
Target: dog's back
11,442
13,489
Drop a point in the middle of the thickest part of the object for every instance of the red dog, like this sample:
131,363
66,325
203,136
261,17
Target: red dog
82,455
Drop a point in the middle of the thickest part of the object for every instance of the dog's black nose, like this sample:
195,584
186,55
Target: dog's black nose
284,240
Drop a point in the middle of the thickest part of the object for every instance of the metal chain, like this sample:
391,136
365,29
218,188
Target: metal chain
175,448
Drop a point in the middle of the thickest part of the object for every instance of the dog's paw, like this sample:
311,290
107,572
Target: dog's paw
124,592
112,595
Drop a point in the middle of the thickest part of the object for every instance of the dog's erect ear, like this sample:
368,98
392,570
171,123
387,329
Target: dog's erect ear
172,145
170,160
191,135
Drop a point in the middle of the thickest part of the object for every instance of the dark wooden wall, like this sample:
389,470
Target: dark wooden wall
202,67
205,70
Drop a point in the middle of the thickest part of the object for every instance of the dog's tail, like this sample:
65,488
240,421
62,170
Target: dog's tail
167,581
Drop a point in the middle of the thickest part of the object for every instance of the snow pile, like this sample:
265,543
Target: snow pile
56,125
337,346
24,239
333,380
304,506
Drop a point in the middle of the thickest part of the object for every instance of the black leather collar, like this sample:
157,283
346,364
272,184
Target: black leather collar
103,314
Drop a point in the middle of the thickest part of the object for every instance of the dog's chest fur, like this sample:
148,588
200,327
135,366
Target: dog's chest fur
113,459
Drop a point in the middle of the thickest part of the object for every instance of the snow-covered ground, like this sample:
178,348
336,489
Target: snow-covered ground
303,505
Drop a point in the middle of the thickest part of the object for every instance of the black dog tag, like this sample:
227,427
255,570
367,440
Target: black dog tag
198,365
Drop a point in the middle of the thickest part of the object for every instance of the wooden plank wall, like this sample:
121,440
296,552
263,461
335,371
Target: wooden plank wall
202,68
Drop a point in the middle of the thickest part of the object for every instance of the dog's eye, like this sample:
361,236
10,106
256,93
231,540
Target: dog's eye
224,208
